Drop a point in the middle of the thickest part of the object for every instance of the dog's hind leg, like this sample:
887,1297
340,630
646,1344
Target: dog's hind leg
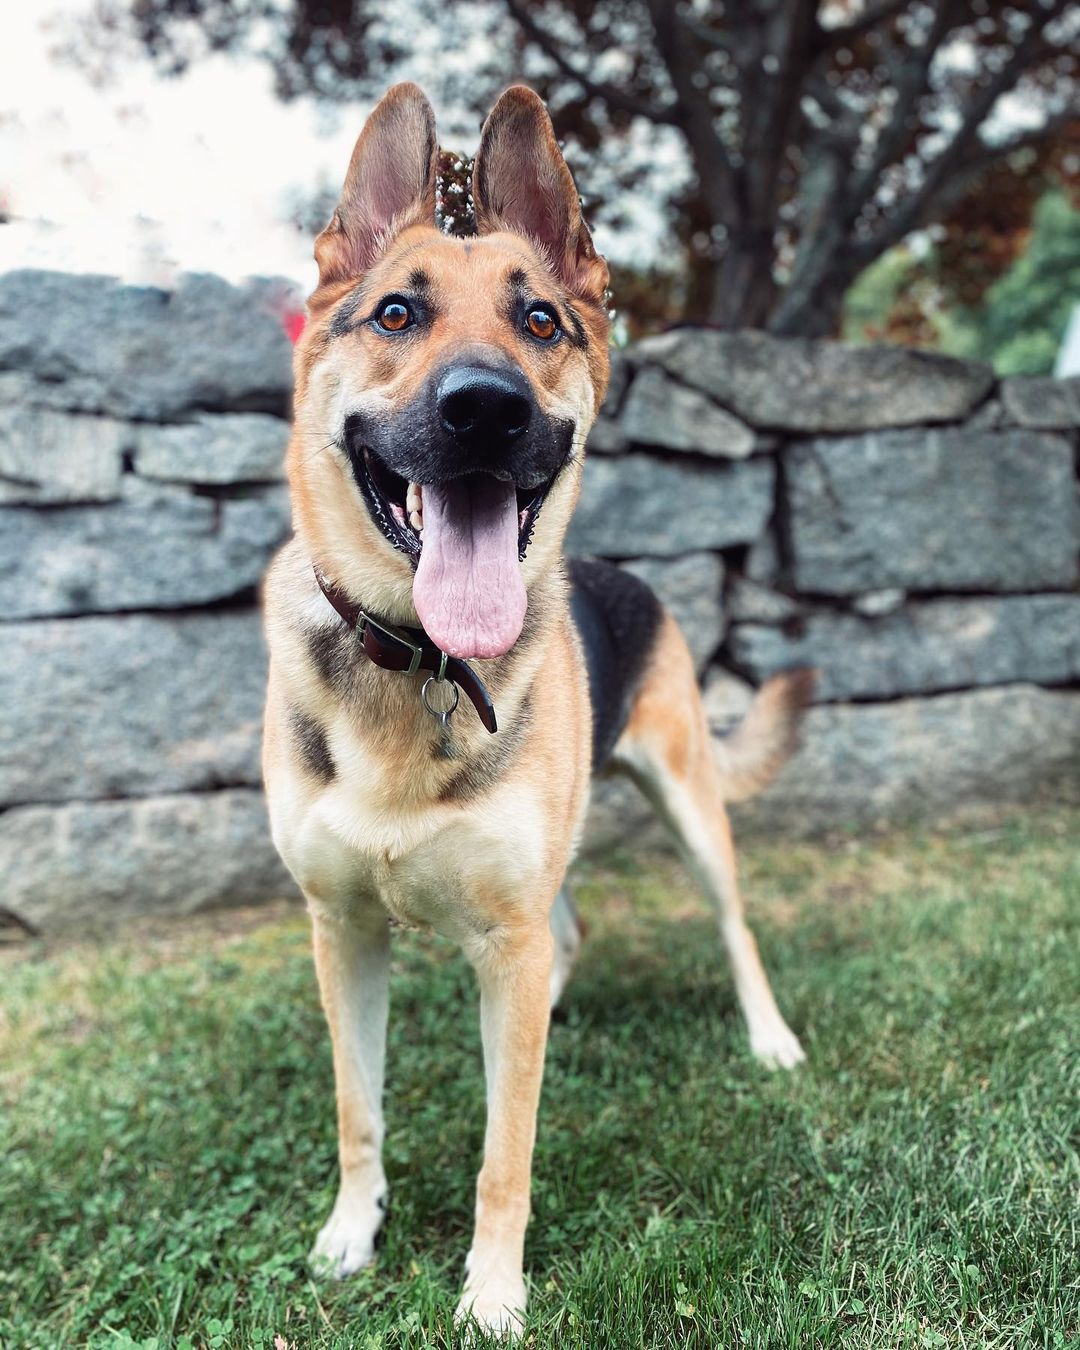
666,747
352,959
567,930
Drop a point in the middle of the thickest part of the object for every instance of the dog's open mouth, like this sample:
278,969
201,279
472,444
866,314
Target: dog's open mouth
397,506
467,537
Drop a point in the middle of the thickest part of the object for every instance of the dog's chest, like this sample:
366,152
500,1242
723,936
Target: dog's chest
465,876
456,866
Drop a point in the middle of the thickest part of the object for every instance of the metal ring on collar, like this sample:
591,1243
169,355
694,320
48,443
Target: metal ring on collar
437,713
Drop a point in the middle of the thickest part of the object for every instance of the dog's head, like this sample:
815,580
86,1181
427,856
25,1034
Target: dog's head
445,385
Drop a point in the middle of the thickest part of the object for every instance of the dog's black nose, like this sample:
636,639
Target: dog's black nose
484,407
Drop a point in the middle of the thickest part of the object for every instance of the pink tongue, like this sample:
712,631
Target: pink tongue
468,589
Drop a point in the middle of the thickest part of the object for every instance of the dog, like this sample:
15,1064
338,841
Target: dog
442,683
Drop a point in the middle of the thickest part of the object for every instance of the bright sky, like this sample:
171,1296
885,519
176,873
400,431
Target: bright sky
145,177
148,176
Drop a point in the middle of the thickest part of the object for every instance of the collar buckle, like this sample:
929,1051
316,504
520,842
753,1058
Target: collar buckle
365,621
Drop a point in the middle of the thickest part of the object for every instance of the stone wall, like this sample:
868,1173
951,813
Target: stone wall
904,522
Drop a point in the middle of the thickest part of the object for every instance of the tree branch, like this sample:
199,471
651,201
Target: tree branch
775,87
841,131
951,159
826,270
912,83
720,184
968,169
709,37
828,39
988,154
611,94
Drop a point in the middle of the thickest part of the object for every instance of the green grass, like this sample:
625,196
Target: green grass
168,1135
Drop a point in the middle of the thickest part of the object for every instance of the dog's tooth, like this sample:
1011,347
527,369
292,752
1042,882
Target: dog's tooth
416,520
414,501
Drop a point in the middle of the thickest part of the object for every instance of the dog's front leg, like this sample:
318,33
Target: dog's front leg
352,959
514,970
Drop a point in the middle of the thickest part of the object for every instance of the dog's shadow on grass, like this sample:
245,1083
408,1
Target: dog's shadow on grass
680,974
637,1004
632,1005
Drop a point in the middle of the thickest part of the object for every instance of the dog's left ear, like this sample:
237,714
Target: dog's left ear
390,184
521,183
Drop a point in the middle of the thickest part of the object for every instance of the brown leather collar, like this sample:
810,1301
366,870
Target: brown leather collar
408,650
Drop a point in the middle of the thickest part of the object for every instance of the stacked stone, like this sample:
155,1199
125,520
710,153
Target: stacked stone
899,520
142,436
902,521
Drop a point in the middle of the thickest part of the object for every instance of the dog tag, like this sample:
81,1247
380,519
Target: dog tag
442,716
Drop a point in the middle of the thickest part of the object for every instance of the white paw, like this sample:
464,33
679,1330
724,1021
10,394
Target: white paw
776,1046
496,1308
346,1240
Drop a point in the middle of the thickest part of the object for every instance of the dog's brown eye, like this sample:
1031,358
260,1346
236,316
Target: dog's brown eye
394,315
541,323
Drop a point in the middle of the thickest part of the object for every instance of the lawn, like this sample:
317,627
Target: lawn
169,1137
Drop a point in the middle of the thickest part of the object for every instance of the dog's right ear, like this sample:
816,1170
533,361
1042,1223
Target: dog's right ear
390,185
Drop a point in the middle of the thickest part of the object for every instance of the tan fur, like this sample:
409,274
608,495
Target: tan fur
749,757
519,148
466,832
668,750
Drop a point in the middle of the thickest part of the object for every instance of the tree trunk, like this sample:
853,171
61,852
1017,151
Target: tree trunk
825,261
743,291
820,315
814,308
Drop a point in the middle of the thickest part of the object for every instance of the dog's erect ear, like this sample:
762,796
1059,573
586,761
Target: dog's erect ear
390,184
521,183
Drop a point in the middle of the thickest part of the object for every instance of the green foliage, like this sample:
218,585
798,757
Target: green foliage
1021,322
1017,328
169,1135
874,294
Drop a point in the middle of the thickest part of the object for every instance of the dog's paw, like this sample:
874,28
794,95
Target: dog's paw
776,1047
495,1308
346,1241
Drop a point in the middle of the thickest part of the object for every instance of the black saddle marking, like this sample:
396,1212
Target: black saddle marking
617,617
312,746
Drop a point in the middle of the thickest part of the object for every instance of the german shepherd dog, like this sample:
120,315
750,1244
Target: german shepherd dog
444,390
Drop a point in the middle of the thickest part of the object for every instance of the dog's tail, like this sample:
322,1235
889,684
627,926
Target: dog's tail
750,756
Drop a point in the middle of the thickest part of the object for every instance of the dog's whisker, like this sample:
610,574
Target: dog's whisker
317,451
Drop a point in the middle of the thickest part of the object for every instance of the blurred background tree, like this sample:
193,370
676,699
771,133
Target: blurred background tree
795,142
1020,324
1015,318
